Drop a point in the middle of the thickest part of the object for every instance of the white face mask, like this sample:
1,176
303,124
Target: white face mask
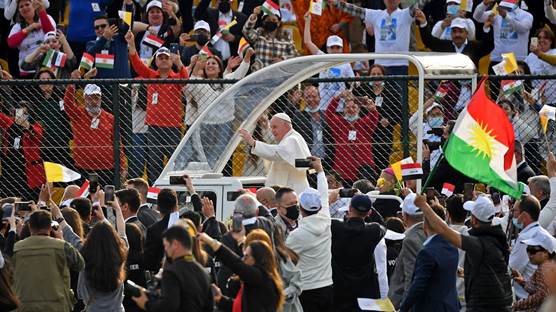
93,109
351,118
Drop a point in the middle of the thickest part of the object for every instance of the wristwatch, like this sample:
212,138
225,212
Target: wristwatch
60,220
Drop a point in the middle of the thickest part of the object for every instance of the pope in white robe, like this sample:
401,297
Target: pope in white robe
291,146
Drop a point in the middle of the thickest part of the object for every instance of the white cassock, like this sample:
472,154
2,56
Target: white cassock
282,155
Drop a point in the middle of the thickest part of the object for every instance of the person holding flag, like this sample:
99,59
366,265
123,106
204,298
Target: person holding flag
54,53
225,25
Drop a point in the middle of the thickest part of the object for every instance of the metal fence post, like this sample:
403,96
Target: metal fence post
117,124
405,119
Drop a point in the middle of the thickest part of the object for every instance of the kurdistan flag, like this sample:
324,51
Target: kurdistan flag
481,145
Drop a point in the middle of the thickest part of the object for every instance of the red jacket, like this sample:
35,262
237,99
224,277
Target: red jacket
168,110
93,147
351,154
30,144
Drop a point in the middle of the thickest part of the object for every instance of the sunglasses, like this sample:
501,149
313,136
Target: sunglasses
97,27
533,249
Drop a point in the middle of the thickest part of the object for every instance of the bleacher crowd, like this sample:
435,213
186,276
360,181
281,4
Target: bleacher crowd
287,247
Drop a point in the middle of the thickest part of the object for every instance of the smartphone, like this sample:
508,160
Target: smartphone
22,206
232,196
109,193
54,225
347,193
430,192
174,47
177,180
93,182
237,223
535,41
468,189
7,208
302,163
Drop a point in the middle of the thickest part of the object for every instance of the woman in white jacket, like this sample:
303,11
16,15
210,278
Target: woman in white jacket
217,129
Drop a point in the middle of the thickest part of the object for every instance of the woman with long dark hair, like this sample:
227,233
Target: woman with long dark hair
261,285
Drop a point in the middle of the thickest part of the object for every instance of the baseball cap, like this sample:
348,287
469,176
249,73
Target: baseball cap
459,23
163,50
202,25
284,117
361,203
408,205
154,3
49,34
309,200
542,239
91,89
508,4
482,208
334,41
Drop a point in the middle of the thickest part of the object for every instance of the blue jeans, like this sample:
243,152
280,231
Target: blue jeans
137,155
215,137
161,141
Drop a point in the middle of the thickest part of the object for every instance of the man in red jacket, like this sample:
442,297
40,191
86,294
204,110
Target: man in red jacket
164,106
93,132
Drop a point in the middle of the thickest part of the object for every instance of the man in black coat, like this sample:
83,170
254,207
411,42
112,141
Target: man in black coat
354,269
459,43
218,19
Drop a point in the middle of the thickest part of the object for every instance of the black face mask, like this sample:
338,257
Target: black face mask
224,6
201,39
292,212
270,26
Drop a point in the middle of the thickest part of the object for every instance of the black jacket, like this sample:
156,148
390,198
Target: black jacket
147,216
210,15
524,172
185,287
154,250
259,291
474,49
353,265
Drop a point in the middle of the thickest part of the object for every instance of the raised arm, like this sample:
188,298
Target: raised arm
481,14
438,225
349,8
549,11
249,30
307,35
138,66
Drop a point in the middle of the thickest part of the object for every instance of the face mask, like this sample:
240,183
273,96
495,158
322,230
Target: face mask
452,9
92,109
292,212
202,39
436,122
377,83
224,6
518,225
311,110
270,26
351,118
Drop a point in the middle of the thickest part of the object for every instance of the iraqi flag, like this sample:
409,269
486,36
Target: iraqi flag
271,8
152,194
412,171
448,189
481,145
153,41
54,58
84,189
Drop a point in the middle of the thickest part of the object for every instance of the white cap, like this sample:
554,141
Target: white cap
482,209
202,25
162,50
542,239
284,117
310,200
453,1
433,106
334,41
49,34
392,235
459,23
154,3
91,89
408,205
510,4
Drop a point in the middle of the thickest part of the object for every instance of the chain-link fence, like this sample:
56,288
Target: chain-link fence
121,129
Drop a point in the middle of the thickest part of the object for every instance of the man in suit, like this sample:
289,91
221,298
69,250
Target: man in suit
414,238
524,172
218,19
433,287
167,203
310,123
146,215
459,43
130,202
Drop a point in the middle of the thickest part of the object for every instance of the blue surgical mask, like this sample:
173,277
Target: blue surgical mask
351,118
436,122
452,9
518,225
311,110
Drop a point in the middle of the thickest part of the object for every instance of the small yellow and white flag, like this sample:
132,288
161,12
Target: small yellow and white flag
366,304
547,113
125,16
510,62
58,173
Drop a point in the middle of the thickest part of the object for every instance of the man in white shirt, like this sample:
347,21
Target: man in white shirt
511,27
442,29
525,216
291,146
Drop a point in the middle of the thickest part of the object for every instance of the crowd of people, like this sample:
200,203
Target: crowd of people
74,125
